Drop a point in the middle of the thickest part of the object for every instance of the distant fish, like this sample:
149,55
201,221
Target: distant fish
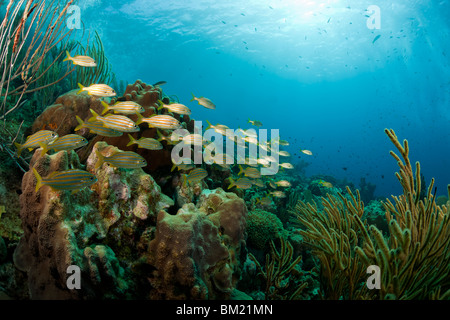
161,121
309,153
265,201
193,139
224,22
159,83
283,183
256,123
184,166
98,90
325,184
65,143
278,194
146,143
376,38
329,20
242,183
249,172
242,14
98,128
121,159
194,176
204,102
73,179
286,165
82,61
116,122
124,107
175,107
284,153
34,141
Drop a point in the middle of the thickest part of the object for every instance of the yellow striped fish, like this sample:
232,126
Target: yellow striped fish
33,141
82,61
73,179
146,143
97,127
193,139
283,183
168,139
249,172
241,183
98,90
204,102
121,159
219,128
175,107
194,176
162,121
65,143
116,122
124,107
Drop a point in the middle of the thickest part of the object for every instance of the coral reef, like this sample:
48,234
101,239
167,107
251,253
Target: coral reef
263,227
198,252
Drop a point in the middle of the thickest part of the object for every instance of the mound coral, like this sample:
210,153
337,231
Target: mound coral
263,227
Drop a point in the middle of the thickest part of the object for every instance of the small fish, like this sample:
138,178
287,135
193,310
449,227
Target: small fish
265,201
283,183
325,184
65,143
162,121
146,143
116,122
249,172
159,83
184,166
98,90
121,159
256,123
82,61
259,183
175,107
33,141
204,102
194,176
193,139
241,183
97,127
124,107
287,165
376,38
219,128
172,139
278,194
73,180
284,153
309,153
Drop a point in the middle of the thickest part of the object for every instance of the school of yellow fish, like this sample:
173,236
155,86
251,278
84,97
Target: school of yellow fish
116,123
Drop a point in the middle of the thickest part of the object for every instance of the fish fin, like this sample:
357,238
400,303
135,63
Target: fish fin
38,179
19,149
94,115
173,168
68,56
139,119
81,88
241,170
193,97
80,123
209,125
44,148
105,110
232,184
160,104
132,140
100,160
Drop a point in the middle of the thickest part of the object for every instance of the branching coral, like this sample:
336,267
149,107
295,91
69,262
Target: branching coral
414,260
279,273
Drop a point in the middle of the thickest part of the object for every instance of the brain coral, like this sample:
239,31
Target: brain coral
263,226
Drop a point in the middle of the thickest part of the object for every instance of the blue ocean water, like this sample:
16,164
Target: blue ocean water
312,69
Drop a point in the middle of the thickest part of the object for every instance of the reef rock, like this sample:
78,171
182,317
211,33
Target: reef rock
199,252
95,229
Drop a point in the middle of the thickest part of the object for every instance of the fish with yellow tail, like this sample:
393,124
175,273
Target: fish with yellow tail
97,90
72,180
241,183
256,123
121,159
116,122
175,108
161,121
82,61
146,143
98,128
204,102
195,175
123,107
34,141
249,172
307,152
65,143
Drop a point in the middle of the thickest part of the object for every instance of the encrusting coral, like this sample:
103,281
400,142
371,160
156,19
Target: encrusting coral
414,259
